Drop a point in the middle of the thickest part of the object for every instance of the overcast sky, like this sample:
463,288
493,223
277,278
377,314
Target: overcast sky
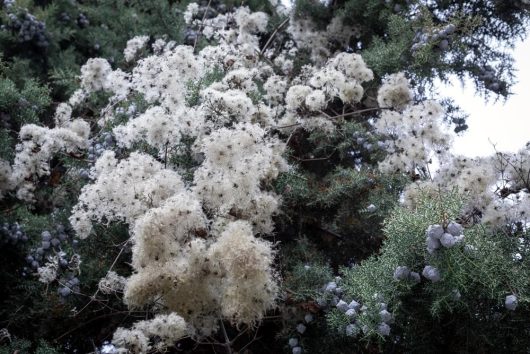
507,125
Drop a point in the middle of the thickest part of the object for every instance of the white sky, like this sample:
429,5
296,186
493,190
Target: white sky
506,124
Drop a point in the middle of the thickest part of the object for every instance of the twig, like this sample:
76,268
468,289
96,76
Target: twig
337,116
273,35
202,23
332,233
90,321
227,340
314,159
93,297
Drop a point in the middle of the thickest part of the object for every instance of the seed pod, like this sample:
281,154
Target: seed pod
455,229
510,302
435,231
383,329
401,273
342,305
431,273
386,316
448,240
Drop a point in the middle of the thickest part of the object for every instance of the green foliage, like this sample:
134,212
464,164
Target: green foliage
481,270
194,88
23,346
16,344
23,104
313,8
389,54
306,280
326,225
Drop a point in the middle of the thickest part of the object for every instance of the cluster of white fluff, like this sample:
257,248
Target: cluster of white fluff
492,186
155,126
48,272
416,136
306,35
248,24
191,11
123,190
275,88
195,250
246,289
94,74
134,45
37,147
167,327
180,262
394,92
112,283
309,94
236,162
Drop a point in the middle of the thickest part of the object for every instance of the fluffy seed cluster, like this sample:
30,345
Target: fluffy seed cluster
195,252
394,92
134,45
38,145
495,186
415,137
236,162
111,283
167,327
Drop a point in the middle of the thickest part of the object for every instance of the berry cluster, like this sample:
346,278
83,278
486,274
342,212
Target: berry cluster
365,146
301,327
404,273
437,236
9,3
51,245
69,283
27,28
353,310
490,78
64,17
105,142
82,21
12,234
440,37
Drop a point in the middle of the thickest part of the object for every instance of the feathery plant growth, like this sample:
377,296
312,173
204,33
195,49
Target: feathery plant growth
260,180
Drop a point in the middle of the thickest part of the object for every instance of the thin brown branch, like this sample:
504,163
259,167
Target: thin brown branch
202,23
269,41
